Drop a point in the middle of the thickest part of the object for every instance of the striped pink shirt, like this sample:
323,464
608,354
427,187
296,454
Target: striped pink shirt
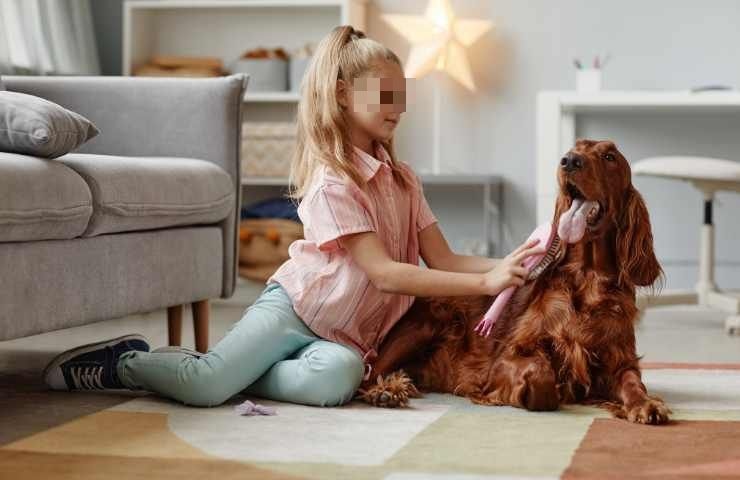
331,293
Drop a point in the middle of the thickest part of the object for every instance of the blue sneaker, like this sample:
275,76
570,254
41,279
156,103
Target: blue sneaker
92,366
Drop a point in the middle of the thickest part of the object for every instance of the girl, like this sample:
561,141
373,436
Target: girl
312,335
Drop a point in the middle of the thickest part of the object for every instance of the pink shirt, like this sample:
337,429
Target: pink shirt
331,293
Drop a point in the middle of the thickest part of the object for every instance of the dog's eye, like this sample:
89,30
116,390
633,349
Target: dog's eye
609,157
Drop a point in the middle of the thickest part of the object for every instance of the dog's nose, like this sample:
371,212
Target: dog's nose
571,161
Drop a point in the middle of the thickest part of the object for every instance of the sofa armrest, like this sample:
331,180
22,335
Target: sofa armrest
174,117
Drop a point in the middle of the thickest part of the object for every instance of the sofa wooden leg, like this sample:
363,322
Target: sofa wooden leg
200,325
174,325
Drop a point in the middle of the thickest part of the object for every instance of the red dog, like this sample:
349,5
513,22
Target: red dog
567,336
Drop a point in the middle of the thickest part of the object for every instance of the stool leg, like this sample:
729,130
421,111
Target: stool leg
706,255
174,325
200,325
732,325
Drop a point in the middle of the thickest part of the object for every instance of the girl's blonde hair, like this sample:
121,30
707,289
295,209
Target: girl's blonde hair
322,136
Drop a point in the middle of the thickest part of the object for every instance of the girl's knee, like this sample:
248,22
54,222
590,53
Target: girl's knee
202,384
335,375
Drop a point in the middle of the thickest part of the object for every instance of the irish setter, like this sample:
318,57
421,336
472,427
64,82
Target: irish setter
566,336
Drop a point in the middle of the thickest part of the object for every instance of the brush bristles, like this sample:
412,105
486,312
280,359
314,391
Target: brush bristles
550,256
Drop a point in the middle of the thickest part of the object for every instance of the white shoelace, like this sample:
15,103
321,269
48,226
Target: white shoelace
87,378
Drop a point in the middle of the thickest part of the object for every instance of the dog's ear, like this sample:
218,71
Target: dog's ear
635,256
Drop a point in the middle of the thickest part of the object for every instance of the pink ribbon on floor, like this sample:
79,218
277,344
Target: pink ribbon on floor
250,408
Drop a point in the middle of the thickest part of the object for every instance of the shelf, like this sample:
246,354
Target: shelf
491,186
458,179
158,4
615,100
275,181
427,179
272,97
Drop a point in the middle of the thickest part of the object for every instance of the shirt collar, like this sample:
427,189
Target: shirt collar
369,165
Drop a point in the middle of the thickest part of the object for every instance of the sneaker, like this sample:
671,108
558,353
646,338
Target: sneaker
176,349
93,366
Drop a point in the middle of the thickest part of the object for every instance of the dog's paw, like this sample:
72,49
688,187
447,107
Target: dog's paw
412,391
393,391
651,411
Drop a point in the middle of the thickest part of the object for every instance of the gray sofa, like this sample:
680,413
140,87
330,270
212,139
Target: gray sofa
142,217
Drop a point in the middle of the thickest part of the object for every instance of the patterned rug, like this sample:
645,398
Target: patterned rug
439,437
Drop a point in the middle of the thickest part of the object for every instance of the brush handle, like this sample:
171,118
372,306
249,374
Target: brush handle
485,326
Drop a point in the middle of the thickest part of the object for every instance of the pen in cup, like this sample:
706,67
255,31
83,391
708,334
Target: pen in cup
600,63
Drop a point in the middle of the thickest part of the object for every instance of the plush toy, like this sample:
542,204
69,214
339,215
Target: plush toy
571,228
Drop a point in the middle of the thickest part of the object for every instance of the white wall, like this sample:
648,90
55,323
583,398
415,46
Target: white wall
660,44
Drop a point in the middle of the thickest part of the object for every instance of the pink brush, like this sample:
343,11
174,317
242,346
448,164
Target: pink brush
571,227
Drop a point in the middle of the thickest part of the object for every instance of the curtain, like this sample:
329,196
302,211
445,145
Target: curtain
47,37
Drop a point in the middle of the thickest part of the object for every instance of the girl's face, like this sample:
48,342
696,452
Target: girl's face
375,102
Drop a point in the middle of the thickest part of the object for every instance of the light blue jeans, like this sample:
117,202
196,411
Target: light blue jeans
270,352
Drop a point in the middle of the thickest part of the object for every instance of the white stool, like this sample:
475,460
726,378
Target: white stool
709,175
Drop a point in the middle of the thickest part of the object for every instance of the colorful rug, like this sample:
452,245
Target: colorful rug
440,437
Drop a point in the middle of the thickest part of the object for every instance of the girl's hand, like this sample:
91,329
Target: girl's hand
510,271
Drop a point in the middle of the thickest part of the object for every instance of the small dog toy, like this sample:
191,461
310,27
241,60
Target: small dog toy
571,228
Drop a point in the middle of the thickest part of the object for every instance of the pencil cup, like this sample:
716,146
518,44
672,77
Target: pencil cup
588,80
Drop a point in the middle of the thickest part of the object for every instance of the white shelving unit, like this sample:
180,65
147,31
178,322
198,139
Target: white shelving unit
226,28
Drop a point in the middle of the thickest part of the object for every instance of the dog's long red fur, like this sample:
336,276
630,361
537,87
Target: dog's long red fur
567,336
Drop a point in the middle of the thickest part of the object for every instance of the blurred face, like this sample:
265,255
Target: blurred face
375,101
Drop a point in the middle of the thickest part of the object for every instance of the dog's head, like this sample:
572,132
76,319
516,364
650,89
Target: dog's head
597,171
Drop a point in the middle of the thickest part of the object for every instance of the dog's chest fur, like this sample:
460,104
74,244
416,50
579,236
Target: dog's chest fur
577,319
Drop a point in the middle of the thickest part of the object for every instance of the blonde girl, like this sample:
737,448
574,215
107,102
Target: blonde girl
313,334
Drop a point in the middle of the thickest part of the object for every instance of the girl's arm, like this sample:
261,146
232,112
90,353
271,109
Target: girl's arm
390,276
437,254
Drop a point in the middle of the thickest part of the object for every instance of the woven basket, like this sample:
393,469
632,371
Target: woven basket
264,245
267,148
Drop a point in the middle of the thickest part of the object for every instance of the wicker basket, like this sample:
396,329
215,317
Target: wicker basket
267,148
264,245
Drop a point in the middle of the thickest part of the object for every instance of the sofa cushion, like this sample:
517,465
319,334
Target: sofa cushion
35,126
41,200
143,193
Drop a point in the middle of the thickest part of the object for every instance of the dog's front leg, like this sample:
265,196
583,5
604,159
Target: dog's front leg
388,385
634,404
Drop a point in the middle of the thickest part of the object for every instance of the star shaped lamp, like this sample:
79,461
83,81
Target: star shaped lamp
438,42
